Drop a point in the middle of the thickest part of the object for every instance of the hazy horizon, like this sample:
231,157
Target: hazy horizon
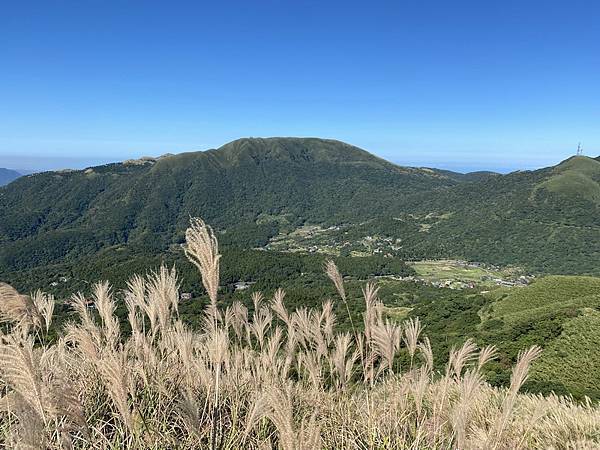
40,163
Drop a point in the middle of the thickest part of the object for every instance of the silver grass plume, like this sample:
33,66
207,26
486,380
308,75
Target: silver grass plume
336,277
44,305
18,309
338,281
412,331
518,377
202,249
105,305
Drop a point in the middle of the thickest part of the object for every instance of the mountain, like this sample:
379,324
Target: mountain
251,189
8,175
577,176
469,176
147,203
546,220
559,313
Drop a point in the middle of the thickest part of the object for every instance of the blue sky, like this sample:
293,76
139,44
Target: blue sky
464,85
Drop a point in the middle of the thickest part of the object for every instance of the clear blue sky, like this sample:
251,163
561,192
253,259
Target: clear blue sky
456,84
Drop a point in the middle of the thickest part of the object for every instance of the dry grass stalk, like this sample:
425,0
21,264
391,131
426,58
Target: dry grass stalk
202,249
18,309
44,304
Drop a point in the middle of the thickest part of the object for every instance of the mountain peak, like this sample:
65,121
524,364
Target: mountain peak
579,163
296,149
575,177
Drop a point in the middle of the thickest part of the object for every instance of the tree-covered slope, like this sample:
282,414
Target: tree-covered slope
577,177
546,220
148,203
559,313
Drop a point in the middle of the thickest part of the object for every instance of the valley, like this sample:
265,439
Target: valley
471,256
300,225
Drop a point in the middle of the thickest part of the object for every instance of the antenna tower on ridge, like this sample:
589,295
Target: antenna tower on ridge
579,149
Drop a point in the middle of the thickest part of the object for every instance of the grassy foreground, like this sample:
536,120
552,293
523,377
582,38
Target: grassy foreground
259,378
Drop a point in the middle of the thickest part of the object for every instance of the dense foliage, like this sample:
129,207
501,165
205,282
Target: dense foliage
252,189
45,217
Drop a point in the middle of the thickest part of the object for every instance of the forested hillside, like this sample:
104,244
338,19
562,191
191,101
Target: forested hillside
546,221
147,204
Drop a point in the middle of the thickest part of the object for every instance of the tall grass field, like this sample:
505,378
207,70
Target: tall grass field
260,378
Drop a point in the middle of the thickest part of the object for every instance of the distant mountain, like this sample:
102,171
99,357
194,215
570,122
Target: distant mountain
147,203
8,175
469,176
546,220
577,176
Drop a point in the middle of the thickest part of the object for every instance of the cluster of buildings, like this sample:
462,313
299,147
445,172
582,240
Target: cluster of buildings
183,296
446,284
522,280
60,280
243,285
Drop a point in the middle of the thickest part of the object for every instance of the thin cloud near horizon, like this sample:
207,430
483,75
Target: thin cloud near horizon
462,162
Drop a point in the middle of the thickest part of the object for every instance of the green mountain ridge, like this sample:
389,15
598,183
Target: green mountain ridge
147,203
559,313
468,176
577,176
253,188
61,231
